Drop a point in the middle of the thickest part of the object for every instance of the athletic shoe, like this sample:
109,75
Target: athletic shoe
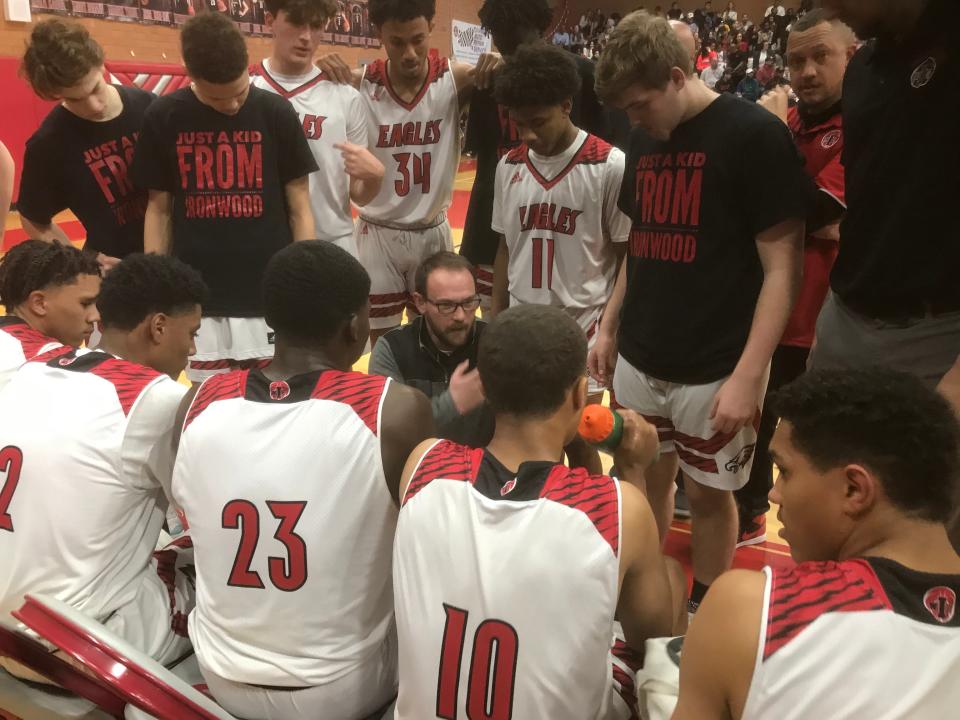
753,531
681,507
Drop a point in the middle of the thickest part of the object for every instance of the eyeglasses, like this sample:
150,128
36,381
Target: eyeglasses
448,307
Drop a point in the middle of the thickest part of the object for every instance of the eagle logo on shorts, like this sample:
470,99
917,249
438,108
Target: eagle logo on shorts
941,602
924,73
739,461
279,390
830,139
508,487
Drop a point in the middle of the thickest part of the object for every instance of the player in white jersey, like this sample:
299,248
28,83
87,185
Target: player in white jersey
866,626
294,612
555,203
333,116
504,545
86,457
414,101
50,292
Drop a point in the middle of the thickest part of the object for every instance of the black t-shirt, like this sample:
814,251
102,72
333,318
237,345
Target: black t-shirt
900,246
698,202
227,175
81,165
491,135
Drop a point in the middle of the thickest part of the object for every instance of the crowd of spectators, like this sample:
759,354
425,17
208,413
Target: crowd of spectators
738,54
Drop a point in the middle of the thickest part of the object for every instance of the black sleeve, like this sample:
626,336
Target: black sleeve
591,115
295,158
153,165
481,122
774,185
41,189
626,201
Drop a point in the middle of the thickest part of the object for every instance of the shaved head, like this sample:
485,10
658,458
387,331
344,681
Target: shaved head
687,39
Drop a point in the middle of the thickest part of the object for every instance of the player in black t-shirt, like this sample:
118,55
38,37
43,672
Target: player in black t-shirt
227,168
491,133
718,197
79,158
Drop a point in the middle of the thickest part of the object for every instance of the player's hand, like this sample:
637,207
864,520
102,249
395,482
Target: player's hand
484,70
777,101
359,162
336,68
466,390
640,446
106,262
602,359
736,403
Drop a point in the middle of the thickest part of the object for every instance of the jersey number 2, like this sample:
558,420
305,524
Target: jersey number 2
420,171
286,575
11,461
537,280
493,668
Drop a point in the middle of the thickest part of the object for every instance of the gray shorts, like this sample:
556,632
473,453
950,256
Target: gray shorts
926,347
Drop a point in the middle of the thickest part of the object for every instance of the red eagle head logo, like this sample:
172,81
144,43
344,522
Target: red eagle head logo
65,361
941,602
508,487
279,390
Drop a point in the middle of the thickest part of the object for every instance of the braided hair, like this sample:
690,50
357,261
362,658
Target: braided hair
35,265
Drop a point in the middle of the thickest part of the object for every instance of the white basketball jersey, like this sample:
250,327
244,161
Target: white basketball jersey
84,456
283,488
331,114
506,588
18,343
863,638
417,142
560,218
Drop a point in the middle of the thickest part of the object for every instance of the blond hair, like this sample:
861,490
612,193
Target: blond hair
643,49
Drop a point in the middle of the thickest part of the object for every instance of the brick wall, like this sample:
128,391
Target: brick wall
127,41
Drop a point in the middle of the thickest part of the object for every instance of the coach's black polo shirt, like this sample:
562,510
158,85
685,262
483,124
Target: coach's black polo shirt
900,240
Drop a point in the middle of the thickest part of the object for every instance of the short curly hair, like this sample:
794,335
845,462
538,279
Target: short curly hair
34,265
887,421
383,11
511,19
311,288
213,49
59,55
143,285
303,12
530,357
537,74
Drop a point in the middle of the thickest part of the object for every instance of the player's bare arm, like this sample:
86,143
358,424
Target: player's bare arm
500,298
6,185
366,172
298,209
720,649
602,358
158,223
50,232
781,255
182,416
410,467
406,421
335,67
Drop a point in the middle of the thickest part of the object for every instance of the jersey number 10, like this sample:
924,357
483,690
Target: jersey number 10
420,172
286,575
11,461
493,668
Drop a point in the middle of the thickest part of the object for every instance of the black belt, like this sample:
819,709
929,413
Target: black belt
905,313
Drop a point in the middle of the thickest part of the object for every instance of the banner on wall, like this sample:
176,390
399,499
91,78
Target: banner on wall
349,26
469,42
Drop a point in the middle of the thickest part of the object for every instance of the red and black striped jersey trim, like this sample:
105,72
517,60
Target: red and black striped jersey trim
219,387
593,151
128,379
596,496
376,74
800,595
260,70
31,341
444,461
361,392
